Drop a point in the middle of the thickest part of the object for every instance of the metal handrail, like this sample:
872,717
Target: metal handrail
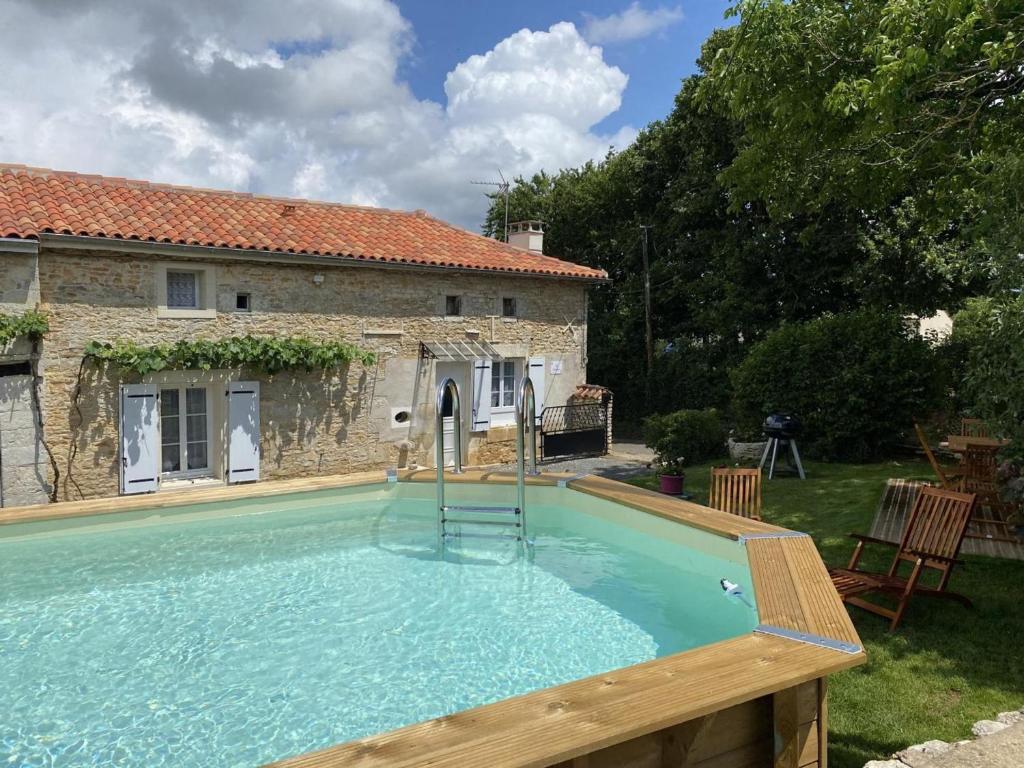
526,405
442,390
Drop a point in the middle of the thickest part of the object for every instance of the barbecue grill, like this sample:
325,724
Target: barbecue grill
781,429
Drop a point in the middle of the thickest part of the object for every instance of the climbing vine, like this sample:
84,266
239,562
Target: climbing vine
268,354
30,324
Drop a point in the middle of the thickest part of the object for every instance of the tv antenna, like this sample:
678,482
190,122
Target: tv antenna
503,188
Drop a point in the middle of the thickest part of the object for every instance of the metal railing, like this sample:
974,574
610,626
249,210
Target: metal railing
446,386
526,421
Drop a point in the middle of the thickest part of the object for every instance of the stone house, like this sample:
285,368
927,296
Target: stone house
112,261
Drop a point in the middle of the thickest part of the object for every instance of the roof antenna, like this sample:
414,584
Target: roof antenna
503,188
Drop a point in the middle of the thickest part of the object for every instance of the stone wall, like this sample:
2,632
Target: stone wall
311,423
23,463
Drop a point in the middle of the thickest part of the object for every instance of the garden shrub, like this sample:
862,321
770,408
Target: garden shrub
685,437
988,335
856,380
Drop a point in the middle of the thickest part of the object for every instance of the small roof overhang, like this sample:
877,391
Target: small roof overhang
458,350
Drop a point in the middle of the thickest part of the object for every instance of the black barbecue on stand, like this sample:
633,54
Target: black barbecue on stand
781,430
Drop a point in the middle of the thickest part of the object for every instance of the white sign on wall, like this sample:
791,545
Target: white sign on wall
556,367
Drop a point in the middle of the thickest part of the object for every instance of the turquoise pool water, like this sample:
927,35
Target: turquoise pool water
238,634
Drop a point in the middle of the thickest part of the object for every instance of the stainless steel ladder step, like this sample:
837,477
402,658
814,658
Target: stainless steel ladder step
450,535
471,521
474,509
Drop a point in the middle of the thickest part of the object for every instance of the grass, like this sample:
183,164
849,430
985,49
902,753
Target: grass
945,667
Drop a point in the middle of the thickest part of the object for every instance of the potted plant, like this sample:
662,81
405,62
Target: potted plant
671,475
682,438
746,446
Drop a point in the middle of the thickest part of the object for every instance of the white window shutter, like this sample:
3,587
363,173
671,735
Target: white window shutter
536,373
243,431
140,439
481,402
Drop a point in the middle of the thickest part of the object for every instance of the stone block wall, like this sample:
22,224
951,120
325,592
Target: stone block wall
23,463
311,423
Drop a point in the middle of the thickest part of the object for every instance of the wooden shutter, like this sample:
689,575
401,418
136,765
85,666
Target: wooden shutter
536,373
243,431
140,438
481,403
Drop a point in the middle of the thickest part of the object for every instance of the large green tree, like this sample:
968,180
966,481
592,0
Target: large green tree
906,106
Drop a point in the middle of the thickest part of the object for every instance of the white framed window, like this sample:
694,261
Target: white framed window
186,291
503,385
184,431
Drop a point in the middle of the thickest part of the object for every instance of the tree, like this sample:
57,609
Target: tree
874,102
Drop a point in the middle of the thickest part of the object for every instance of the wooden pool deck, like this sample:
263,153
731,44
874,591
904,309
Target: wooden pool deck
754,700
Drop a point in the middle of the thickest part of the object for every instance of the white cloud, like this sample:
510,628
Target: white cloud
298,99
631,24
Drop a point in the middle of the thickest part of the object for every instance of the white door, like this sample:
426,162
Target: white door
458,372
537,377
243,431
140,439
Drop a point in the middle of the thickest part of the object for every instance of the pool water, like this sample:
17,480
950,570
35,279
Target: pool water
238,634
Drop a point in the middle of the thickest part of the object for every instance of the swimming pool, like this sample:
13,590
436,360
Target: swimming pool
245,631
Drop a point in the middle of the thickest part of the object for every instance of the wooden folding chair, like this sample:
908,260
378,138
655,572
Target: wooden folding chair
973,428
931,539
736,490
980,467
948,478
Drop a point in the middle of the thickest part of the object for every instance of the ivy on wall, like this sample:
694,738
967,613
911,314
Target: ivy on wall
30,324
264,353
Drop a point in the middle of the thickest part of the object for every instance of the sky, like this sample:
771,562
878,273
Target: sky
388,103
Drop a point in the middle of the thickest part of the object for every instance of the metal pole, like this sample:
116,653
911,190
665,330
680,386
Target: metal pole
648,330
442,389
526,407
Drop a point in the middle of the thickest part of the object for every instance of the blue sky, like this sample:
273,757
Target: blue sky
342,100
447,33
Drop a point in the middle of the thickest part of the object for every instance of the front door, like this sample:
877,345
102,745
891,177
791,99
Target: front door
459,372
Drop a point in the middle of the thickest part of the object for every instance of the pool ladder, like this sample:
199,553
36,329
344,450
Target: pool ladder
509,518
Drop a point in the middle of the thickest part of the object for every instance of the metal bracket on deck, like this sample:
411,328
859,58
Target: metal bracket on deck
392,474
805,637
564,482
745,537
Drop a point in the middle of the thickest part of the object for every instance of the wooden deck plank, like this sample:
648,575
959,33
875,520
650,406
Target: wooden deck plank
794,590
567,721
695,515
184,497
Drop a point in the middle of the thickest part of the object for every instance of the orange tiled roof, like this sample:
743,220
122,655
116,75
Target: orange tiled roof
35,201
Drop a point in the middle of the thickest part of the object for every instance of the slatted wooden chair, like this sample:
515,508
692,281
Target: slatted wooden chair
948,478
973,428
980,465
737,490
931,540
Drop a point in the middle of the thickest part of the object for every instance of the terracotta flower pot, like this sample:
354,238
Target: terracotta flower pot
671,484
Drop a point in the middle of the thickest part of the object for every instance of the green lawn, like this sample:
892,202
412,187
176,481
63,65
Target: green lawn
945,667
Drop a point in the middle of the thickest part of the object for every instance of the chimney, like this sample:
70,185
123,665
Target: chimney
528,235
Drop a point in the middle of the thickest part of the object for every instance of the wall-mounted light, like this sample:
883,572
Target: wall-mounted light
318,279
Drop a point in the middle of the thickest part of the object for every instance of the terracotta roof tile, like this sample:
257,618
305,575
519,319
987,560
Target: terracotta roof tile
35,201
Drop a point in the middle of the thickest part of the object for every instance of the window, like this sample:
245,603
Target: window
453,306
508,306
503,384
182,290
184,437
242,302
